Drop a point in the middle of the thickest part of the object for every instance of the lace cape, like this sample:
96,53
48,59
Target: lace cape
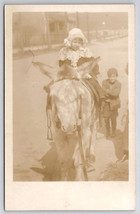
74,56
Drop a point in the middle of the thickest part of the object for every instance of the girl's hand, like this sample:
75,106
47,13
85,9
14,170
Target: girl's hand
87,76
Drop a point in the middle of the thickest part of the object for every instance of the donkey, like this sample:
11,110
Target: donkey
72,112
72,115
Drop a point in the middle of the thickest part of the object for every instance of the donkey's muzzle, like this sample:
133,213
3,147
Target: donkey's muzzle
69,129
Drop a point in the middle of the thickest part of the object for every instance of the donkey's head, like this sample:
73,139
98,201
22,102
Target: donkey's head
66,105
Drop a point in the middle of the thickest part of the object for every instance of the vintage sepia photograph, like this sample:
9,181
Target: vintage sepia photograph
72,77
70,96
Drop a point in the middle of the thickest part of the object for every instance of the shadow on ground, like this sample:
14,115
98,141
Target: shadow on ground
51,167
116,171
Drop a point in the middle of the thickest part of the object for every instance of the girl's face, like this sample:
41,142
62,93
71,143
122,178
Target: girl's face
76,43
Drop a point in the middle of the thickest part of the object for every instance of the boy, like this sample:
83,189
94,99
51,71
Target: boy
111,104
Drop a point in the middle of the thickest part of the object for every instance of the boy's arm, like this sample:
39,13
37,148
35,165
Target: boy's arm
115,91
105,87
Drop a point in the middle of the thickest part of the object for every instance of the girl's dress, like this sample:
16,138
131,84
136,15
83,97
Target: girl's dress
78,64
74,63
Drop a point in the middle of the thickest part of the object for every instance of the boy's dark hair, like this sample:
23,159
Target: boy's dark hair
112,71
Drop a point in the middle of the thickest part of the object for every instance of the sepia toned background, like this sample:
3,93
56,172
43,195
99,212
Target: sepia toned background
43,33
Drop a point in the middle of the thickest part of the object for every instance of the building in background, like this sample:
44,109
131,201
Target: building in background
48,29
41,29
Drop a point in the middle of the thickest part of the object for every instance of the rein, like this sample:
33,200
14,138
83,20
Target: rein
80,141
49,132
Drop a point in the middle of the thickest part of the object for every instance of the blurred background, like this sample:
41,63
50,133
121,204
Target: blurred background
47,30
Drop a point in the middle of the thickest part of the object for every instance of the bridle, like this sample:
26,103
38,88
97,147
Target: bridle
79,119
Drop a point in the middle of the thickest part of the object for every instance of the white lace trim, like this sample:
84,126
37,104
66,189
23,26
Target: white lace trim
74,56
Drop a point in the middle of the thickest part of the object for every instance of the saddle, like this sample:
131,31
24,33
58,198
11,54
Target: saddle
92,89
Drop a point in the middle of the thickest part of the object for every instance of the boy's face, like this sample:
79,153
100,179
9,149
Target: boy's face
112,78
76,43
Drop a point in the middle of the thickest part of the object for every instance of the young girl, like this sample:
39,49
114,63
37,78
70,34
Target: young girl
75,59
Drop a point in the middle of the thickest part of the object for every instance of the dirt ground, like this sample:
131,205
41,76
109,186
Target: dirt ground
29,116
